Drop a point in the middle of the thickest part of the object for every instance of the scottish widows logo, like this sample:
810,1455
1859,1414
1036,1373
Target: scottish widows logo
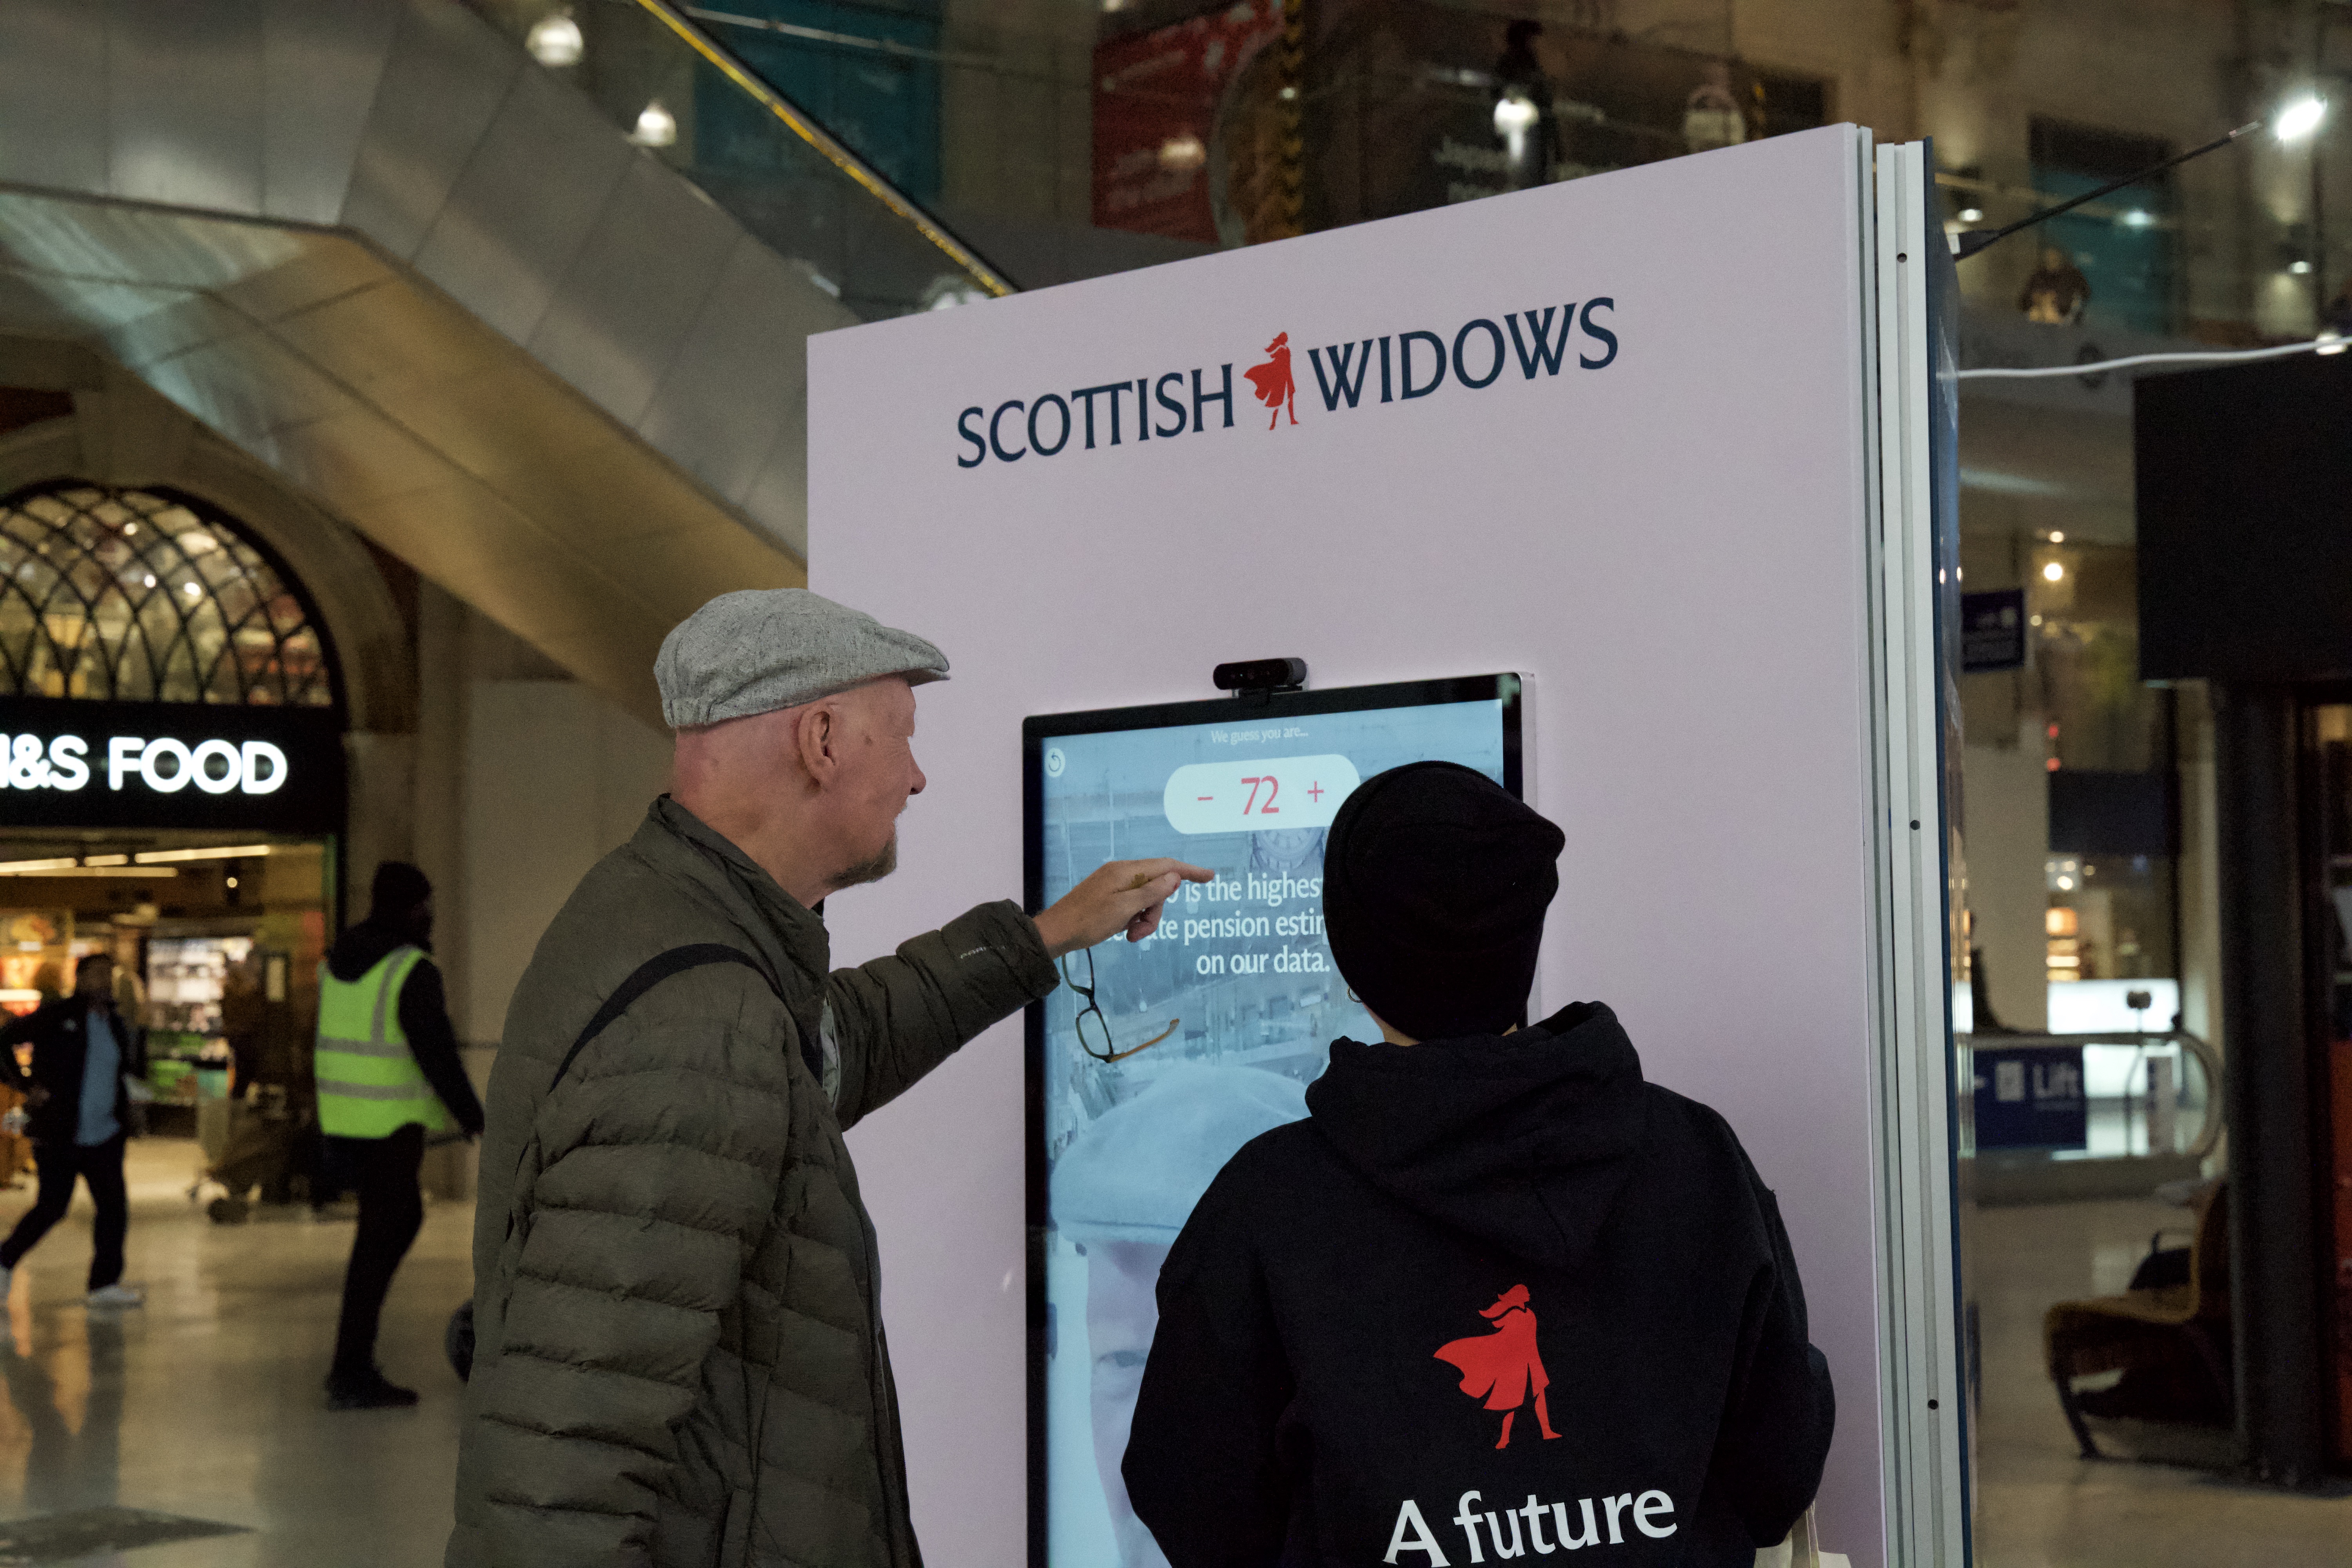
1392,367
1275,385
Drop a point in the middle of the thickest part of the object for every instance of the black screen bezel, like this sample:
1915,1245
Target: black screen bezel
1508,688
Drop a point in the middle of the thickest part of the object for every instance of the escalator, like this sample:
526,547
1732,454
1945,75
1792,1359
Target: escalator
669,83
535,328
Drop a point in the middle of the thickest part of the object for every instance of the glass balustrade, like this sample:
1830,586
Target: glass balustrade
908,154
2115,1096
664,80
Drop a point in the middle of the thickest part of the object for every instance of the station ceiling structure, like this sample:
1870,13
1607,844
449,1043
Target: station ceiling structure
374,245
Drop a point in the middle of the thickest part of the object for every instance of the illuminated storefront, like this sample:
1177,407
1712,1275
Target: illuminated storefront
173,785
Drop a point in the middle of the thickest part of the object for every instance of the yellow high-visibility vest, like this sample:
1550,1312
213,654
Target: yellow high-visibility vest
369,1083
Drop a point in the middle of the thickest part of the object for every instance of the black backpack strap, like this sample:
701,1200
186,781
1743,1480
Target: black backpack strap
660,967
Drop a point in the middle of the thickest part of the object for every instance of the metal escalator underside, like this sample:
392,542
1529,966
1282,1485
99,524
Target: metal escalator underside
375,245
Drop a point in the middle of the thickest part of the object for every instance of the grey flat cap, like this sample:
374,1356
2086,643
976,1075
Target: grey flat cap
764,649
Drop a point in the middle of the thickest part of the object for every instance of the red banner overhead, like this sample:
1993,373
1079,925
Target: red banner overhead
1186,126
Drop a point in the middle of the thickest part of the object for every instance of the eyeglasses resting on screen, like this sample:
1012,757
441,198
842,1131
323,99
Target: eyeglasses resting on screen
1093,1026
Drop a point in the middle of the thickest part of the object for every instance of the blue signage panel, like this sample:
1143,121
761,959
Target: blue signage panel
1993,630
2031,1099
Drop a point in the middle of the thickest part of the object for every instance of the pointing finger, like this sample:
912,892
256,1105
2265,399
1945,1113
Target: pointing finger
1149,871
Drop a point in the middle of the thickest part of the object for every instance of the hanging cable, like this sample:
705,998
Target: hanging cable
2331,344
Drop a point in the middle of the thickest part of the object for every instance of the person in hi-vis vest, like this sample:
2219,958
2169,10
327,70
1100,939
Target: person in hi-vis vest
389,1072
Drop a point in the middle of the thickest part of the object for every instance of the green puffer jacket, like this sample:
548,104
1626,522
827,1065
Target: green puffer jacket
680,1356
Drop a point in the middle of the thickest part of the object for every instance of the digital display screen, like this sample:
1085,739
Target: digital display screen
1155,1061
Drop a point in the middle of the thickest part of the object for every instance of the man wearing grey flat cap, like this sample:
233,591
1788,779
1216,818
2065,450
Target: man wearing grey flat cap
680,1356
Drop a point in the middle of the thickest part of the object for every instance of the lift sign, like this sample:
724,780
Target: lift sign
165,766
2031,1099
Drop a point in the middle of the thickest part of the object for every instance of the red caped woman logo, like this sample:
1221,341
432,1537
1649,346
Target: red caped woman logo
1503,1367
1273,380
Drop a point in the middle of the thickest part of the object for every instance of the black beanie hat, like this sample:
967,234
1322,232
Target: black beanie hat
399,888
1435,881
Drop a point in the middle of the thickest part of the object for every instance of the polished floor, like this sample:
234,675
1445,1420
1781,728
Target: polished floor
205,1404
2040,1505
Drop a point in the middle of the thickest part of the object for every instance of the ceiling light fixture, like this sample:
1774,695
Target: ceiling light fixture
1514,113
99,871
1182,153
556,41
2291,123
656,126
226,852
2299,119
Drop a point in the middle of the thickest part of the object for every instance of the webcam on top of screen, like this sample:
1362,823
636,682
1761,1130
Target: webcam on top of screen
1256,679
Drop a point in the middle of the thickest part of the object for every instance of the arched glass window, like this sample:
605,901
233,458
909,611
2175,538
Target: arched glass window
145,597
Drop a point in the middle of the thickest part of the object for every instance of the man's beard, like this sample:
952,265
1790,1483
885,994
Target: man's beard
873,867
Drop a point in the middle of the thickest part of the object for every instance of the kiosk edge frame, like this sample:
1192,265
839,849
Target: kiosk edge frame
1923,1386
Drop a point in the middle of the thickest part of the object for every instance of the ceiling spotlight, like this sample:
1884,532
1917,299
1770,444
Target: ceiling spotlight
2053,571
656,126
556,41
2057,536
1972,215
1182,153
2137,218
2299,119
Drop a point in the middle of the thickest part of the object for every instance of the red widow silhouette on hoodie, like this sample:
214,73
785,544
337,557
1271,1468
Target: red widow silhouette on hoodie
1273,382
1503,1367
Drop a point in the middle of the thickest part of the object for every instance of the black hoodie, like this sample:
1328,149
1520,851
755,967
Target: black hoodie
1496,1237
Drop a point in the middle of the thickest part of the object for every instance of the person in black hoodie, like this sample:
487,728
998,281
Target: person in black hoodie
1497,1296
379,1090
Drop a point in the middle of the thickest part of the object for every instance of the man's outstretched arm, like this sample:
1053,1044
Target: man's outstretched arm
895,1019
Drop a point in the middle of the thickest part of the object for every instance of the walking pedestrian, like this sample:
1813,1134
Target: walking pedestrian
77,1111
678,1347
389,1073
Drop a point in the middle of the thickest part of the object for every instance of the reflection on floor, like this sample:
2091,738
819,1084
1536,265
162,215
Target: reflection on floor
205,1404
2039,1506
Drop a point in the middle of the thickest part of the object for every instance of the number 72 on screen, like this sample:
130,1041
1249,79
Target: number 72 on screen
1258,794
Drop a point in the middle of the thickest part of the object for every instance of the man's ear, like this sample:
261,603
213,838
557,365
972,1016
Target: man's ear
815,736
